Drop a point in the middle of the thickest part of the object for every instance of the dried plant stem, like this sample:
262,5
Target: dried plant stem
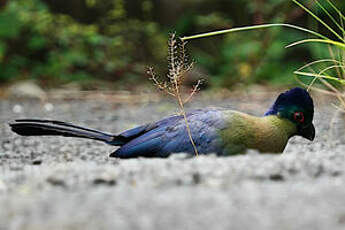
178,67
181,104
194,91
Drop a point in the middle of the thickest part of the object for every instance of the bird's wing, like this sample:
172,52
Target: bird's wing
131,134
170,135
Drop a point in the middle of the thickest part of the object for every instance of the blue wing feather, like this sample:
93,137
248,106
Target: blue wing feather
170,135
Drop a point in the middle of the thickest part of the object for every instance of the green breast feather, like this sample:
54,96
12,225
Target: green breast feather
266,134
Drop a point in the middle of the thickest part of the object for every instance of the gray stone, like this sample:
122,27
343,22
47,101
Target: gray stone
26,90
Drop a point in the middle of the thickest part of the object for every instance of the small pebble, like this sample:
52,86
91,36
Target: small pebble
106,179
56,181
48,107
17,108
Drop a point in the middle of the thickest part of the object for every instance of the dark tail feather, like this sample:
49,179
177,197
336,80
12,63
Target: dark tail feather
35,127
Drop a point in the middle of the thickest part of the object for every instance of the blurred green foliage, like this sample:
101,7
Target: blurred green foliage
115,40
53,47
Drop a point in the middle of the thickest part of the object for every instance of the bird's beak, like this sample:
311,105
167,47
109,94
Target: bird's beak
308,132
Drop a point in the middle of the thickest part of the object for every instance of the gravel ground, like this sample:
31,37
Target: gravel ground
68,183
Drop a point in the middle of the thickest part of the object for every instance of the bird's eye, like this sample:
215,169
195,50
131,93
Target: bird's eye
299,117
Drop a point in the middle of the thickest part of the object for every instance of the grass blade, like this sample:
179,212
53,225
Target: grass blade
331,17
327,41
318,61
319,20
336,9
245,28
341,81
331,67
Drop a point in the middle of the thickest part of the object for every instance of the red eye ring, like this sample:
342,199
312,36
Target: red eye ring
298,116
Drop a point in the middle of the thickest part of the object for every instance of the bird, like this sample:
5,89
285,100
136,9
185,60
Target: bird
213,130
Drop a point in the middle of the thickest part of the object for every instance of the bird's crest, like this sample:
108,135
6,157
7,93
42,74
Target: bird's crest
294,97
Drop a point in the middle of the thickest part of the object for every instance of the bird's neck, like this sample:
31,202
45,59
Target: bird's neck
273,133
284,125
266,134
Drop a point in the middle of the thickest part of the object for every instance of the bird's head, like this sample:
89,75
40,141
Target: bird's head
297,106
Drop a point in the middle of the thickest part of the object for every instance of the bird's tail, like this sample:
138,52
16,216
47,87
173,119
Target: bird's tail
35,127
